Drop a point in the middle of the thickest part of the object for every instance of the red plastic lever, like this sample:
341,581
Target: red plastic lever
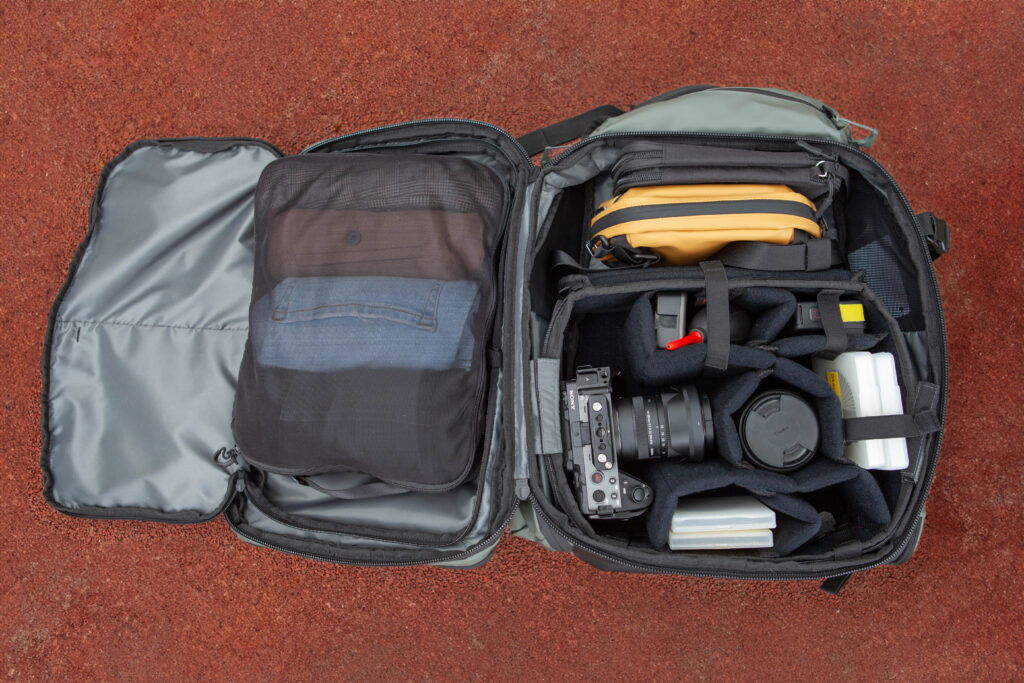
695,337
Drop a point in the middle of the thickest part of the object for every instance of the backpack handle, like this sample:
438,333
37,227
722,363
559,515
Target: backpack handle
559,133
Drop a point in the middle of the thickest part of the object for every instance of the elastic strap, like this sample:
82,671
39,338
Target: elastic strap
717,292
569,129
815,254
832,323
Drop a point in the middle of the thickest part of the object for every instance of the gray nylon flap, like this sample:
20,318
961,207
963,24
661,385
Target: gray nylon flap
548,405
147,336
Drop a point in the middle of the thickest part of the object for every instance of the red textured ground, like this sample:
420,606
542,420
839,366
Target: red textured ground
95,599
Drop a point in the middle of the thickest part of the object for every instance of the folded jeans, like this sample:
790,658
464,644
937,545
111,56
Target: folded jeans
324,324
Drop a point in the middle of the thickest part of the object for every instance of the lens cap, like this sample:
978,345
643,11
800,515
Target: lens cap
779,431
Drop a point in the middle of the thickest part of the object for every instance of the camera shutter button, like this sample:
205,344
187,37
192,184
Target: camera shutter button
638,494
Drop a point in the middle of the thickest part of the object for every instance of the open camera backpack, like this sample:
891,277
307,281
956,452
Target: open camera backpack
392,395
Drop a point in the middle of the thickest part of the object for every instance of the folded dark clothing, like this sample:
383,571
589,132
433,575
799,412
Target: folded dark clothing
429,243
409,215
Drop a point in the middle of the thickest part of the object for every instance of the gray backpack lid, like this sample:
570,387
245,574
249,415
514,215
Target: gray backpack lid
146,337
765,111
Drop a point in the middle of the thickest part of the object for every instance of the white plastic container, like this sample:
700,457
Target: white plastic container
733,513
896,457
720,540
867,386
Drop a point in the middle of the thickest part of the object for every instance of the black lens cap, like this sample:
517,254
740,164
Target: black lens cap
779,431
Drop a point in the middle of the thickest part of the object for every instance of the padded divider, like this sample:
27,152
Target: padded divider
799,522
654,367
672,481
729,397
726,400
826,404
774,308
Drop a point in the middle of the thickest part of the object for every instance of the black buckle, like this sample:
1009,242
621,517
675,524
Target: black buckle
936,233
617,253
599,246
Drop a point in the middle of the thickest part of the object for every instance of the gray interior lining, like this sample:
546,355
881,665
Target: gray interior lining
432,512
481,528
148,336
436,514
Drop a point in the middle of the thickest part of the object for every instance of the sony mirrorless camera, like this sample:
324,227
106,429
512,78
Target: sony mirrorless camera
603,433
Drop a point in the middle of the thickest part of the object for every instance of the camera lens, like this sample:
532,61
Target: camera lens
779,431
670,425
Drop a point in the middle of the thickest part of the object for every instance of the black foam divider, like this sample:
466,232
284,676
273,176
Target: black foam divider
657,368
797,520
772,308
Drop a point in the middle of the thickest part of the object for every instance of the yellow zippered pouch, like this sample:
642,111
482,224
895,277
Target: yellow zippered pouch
684,224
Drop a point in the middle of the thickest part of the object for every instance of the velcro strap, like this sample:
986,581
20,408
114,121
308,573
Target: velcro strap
814,254
832,323
717,292
923,419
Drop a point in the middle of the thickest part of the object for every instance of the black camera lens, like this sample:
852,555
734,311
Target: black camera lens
670,425
779,431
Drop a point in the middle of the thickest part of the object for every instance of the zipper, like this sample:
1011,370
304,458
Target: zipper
392,126
462,554
941,320
824,108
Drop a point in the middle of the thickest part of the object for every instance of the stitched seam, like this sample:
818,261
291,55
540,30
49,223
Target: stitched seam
170,327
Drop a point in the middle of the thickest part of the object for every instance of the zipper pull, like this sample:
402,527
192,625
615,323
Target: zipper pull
229,458
572,283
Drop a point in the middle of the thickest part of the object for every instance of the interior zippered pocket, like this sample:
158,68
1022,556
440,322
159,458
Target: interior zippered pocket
812,173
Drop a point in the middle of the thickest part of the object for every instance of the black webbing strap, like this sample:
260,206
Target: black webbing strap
922,419
370,490
717,292
622,251
564,264
832,323
835,584
569,129
814,254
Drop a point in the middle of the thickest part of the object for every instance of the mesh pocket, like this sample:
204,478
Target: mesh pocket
373,294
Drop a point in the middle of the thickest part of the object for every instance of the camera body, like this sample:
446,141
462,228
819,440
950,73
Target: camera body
602,432
603,490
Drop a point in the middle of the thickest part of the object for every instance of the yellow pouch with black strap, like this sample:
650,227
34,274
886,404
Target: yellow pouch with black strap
684,224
